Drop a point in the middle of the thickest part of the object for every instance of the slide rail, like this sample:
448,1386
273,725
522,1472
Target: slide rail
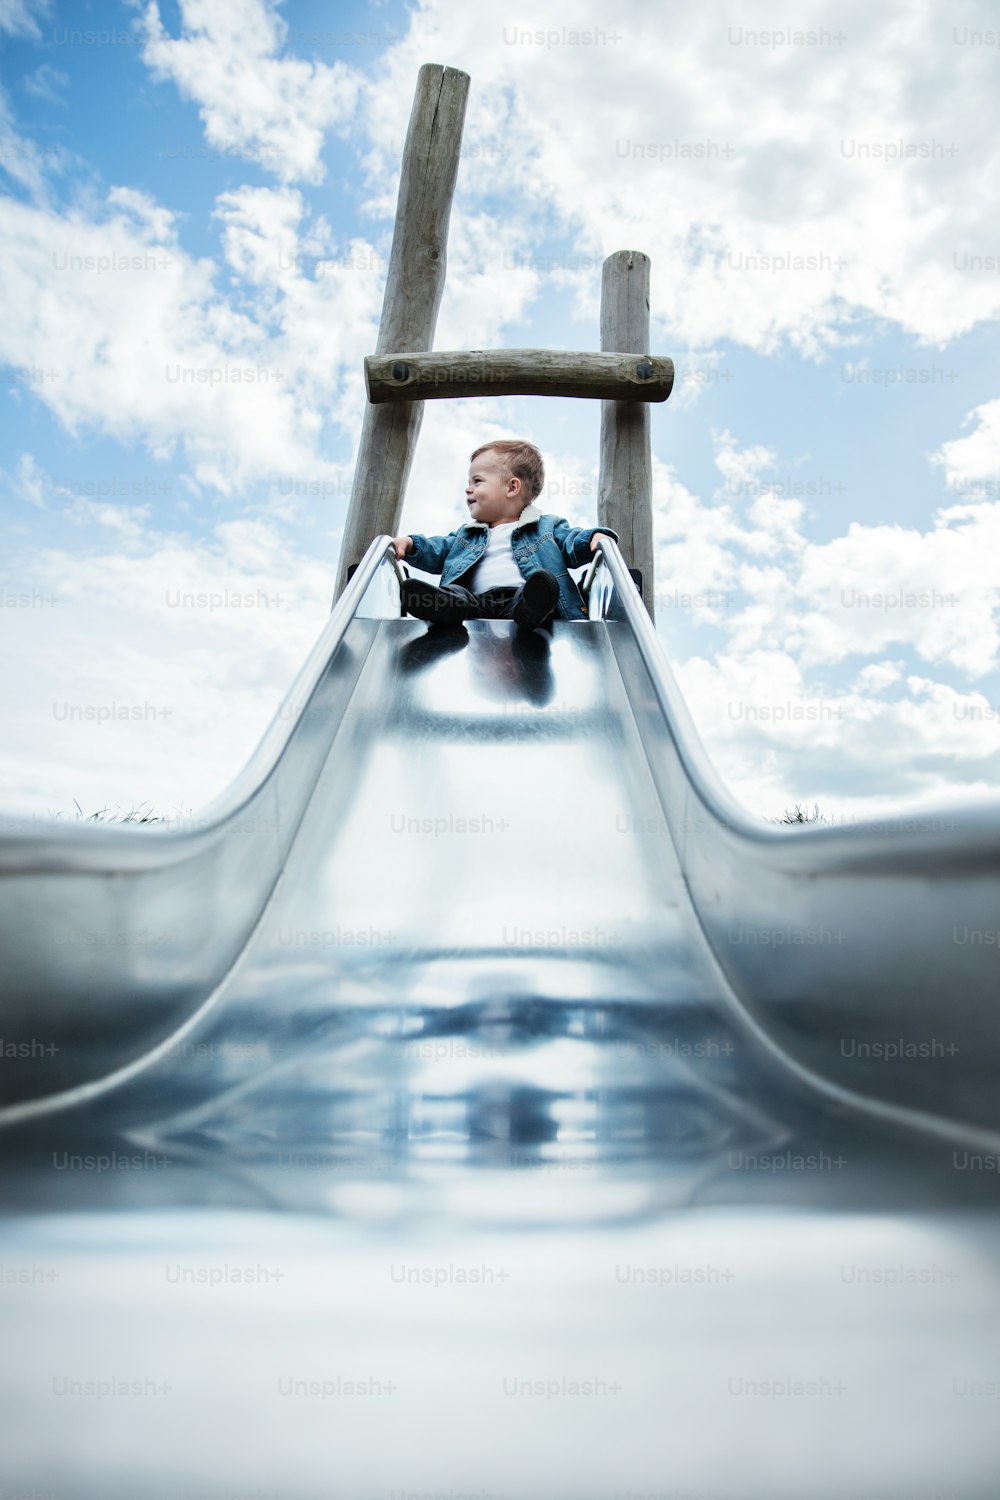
121,933
866,953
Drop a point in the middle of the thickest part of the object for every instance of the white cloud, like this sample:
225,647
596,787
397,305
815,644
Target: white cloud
136,339
878,676
935,591
47,83
694,547
774,740
882,585
483,295
182,648
972,464
776,525
21,158
29,482
741,467
697,371
273,110
785,229
776,727
19,17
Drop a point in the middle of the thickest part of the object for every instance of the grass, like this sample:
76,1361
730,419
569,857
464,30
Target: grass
105,815
800,815
141,816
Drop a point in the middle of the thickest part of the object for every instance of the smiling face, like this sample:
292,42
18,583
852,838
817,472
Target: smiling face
491,497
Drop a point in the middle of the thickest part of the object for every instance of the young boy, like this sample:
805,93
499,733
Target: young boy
509,561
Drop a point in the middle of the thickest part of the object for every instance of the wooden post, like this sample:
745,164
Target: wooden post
413,288
625,491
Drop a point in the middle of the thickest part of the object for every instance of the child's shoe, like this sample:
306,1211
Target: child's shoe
536,600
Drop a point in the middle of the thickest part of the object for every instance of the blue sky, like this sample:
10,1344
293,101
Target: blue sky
210,186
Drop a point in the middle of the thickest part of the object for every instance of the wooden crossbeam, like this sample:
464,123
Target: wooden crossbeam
416,375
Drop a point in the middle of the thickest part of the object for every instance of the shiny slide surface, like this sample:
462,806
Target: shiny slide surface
478,963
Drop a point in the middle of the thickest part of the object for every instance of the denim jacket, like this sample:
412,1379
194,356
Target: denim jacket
538,541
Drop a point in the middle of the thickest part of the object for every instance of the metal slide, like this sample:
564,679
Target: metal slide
478,965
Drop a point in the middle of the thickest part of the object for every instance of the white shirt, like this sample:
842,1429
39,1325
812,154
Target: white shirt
496,568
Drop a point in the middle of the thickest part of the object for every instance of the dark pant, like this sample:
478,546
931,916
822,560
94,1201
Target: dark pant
531,605
495,604
436,601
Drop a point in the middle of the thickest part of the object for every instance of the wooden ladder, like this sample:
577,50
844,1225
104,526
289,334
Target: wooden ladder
404,373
